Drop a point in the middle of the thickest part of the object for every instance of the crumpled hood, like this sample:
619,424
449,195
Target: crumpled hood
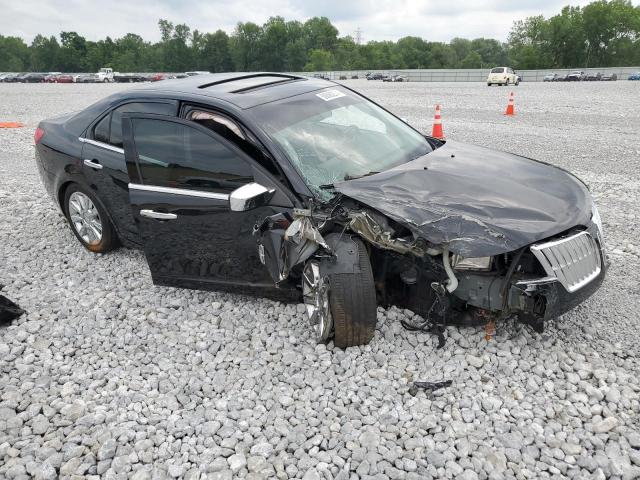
479,201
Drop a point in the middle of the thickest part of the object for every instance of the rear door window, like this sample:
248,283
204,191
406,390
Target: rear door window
497,70
109,129
174,155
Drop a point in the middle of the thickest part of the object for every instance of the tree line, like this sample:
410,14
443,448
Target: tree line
602,33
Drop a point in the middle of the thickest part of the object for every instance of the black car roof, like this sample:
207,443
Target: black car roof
245,90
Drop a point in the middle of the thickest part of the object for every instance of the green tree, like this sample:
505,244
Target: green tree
244,47
14,54
44,54
319,60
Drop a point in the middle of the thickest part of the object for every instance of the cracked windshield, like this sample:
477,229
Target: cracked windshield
335,135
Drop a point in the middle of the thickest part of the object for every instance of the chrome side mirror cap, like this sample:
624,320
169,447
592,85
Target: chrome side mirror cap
251,195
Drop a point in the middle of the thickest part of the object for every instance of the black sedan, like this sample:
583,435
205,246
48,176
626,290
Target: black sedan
294,187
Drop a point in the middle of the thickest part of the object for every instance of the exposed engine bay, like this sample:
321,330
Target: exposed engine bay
409,271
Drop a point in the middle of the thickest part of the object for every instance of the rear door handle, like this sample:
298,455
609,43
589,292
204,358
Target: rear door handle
93,164
158,215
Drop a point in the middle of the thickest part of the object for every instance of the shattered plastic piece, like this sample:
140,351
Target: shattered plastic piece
429,386
9,311
378,232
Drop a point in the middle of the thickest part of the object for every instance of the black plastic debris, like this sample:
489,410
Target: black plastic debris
435,322
9,311
428,386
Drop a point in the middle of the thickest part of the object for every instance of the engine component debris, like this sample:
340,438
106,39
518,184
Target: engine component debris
428,386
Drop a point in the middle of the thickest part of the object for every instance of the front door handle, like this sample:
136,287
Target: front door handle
93,164
158,215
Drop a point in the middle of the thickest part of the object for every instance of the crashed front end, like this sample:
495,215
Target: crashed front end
533,283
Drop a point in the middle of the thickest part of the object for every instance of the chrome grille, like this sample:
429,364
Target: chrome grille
574,261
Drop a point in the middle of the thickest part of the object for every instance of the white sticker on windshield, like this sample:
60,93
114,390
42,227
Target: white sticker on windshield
330,95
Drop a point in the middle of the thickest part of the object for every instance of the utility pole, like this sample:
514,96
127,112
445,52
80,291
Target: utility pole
358,36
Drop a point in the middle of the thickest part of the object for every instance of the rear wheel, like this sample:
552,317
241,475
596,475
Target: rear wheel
88,220
342,302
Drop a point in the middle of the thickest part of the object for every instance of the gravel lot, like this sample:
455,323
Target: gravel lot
109,375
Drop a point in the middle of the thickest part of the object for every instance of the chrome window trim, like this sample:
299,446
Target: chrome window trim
106,146
179,191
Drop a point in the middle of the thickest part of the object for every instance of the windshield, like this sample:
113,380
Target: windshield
334,135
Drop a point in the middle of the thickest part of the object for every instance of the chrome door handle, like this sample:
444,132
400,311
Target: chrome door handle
158,215
93,164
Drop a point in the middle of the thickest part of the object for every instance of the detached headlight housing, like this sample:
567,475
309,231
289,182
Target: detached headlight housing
482,264
595,218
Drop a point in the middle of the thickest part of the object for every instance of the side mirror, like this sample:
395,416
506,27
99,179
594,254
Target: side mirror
249,196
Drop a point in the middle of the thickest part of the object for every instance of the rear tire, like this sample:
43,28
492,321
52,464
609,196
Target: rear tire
75,198
352,298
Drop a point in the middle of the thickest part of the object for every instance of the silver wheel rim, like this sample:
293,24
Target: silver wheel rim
85,218
315,291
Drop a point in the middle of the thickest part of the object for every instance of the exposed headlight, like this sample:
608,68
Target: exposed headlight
473,263
595,218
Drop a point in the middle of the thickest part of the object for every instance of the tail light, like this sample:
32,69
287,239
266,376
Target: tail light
37,136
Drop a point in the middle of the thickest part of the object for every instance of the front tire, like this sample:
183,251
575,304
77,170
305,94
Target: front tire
89,220
349,299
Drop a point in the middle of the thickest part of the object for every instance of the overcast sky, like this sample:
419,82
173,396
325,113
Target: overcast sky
377,19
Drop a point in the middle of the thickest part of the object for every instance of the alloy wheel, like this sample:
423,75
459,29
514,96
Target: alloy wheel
315,291
85,218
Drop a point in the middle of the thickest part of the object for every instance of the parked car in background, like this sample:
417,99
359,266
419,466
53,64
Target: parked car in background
14,77
88,78
374,76
156,77
502,76
550,77
593,77
399,78
387,78
575,76
609,77
634,76
321,75
52,77
222,182
196,72
33,78
64,78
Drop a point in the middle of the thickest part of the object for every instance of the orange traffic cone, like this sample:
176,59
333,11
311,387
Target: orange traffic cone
437,125
510,107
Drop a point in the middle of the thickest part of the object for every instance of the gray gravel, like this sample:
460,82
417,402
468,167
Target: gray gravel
108,375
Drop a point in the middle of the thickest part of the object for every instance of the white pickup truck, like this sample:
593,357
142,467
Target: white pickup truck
105,75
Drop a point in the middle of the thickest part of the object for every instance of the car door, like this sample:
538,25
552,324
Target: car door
104,165
181,177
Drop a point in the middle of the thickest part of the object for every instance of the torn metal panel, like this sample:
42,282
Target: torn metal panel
478,201
377,231
285,242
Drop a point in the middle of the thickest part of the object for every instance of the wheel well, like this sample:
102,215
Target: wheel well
61,192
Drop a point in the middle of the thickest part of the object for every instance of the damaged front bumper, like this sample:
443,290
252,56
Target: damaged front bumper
575,264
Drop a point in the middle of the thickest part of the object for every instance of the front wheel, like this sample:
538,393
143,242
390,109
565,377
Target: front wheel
88,220
342,303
